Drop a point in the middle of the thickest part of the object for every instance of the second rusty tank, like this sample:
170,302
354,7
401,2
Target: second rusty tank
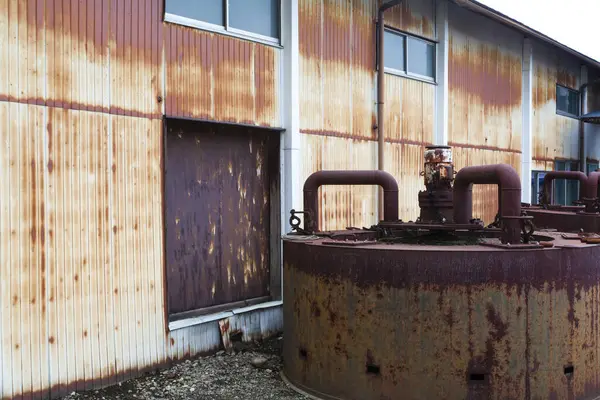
443,307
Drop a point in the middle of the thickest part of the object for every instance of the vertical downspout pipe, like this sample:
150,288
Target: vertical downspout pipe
381,92
582,111
311,189
569,175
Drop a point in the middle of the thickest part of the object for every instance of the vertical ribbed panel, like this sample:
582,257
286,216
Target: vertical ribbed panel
409,110
22,237
405,162
337,62
485,93
413,16
211,76
554,136
134,41
80,54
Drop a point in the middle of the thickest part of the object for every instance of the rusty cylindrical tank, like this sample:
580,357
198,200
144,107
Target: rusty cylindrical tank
367,318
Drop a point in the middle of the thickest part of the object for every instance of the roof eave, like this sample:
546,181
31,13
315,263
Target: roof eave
482,9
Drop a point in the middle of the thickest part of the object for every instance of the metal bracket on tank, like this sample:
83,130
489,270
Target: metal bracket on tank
295,221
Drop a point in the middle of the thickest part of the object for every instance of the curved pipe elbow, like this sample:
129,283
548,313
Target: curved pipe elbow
381,178
591,186
503,175
584,187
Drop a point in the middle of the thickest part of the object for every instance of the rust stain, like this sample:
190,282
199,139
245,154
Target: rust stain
489,74
208,77
413,16
337,54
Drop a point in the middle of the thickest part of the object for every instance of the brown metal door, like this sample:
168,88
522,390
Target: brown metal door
217,194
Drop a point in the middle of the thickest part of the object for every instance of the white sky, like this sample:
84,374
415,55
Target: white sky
574,23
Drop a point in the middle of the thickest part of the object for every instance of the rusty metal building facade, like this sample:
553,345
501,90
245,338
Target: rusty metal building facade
148,168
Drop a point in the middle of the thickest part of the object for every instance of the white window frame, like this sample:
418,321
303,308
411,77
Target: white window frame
226,29
406,73
566,113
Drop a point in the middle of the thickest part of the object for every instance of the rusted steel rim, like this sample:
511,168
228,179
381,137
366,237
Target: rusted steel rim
306,391
320,178
570,175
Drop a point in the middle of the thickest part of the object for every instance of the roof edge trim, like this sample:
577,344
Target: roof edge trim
484,10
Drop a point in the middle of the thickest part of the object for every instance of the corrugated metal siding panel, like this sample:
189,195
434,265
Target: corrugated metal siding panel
409,110
337,63
82,301
135,43
201,339
485,96
405,162
554,136
80,54
413,16
341,206
83,249
216,77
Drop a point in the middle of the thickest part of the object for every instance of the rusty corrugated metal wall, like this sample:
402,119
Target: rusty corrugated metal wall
216,77
82,91
337,104
554,136
485,97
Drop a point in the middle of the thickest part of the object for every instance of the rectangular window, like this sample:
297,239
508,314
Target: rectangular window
256,19
537,182
592,167
566,191
567,101
409,55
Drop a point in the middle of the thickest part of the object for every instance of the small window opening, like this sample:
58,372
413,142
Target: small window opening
373,369
303,354
477,377
569,370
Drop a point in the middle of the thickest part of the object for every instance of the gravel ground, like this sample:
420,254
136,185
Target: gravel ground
249,372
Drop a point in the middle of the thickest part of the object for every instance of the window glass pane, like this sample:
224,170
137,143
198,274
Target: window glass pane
572,192
420,56
560,184
201,10
591,167
540,182
256,16
567,100
393,45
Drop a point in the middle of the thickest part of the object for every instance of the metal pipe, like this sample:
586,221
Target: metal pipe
591,190
569,175
320,178
509,195
381,91
583,102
